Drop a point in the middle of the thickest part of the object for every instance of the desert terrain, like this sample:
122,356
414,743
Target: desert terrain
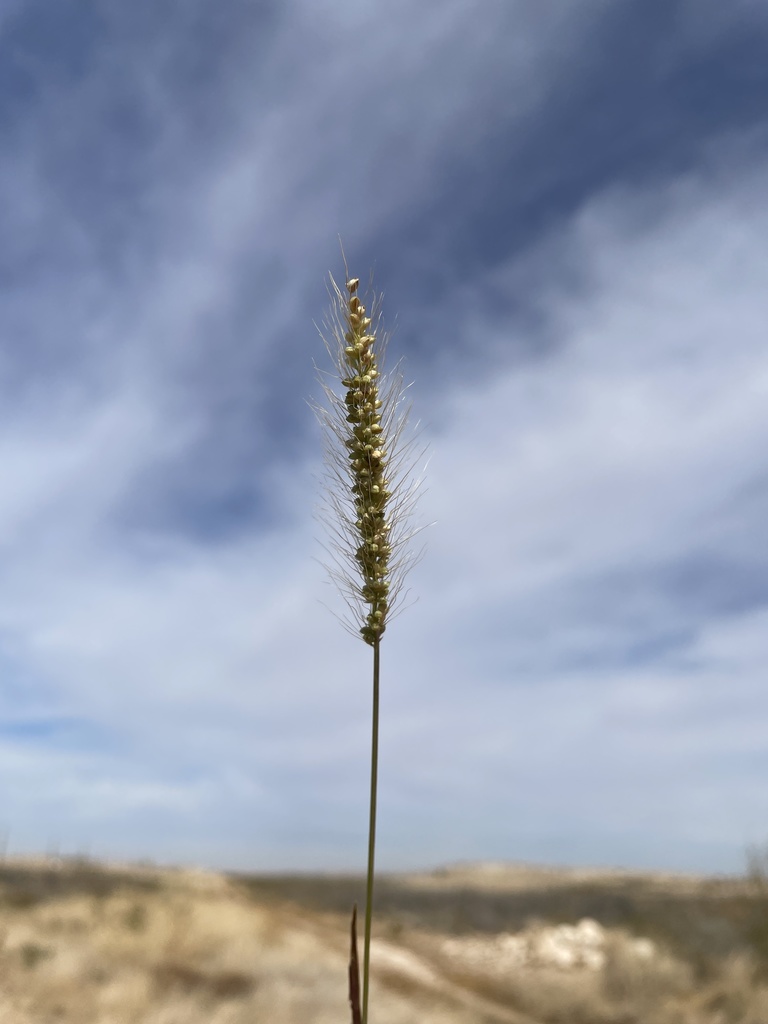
83,942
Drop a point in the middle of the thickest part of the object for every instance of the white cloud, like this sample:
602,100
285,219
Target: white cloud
624,444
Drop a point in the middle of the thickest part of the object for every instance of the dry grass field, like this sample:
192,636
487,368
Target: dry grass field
88,943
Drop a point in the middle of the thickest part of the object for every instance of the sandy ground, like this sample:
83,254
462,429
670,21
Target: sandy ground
474,944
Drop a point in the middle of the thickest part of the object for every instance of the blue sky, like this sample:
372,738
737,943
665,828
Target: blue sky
565,207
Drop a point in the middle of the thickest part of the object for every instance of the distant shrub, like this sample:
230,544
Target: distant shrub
135,918
171,975
32,953
21,899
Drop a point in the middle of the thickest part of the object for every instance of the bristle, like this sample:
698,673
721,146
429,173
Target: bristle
369,501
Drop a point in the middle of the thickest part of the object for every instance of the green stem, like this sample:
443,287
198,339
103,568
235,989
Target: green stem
371,827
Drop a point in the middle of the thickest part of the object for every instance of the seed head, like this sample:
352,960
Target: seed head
368,500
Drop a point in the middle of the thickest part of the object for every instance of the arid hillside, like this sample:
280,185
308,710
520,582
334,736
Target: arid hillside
88,943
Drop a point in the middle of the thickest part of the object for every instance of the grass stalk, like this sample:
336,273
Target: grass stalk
354,972
371,828
369,498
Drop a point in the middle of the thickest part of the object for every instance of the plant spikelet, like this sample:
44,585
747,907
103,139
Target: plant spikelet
367,501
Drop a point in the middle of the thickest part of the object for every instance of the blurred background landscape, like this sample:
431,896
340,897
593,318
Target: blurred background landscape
486,943
565,207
